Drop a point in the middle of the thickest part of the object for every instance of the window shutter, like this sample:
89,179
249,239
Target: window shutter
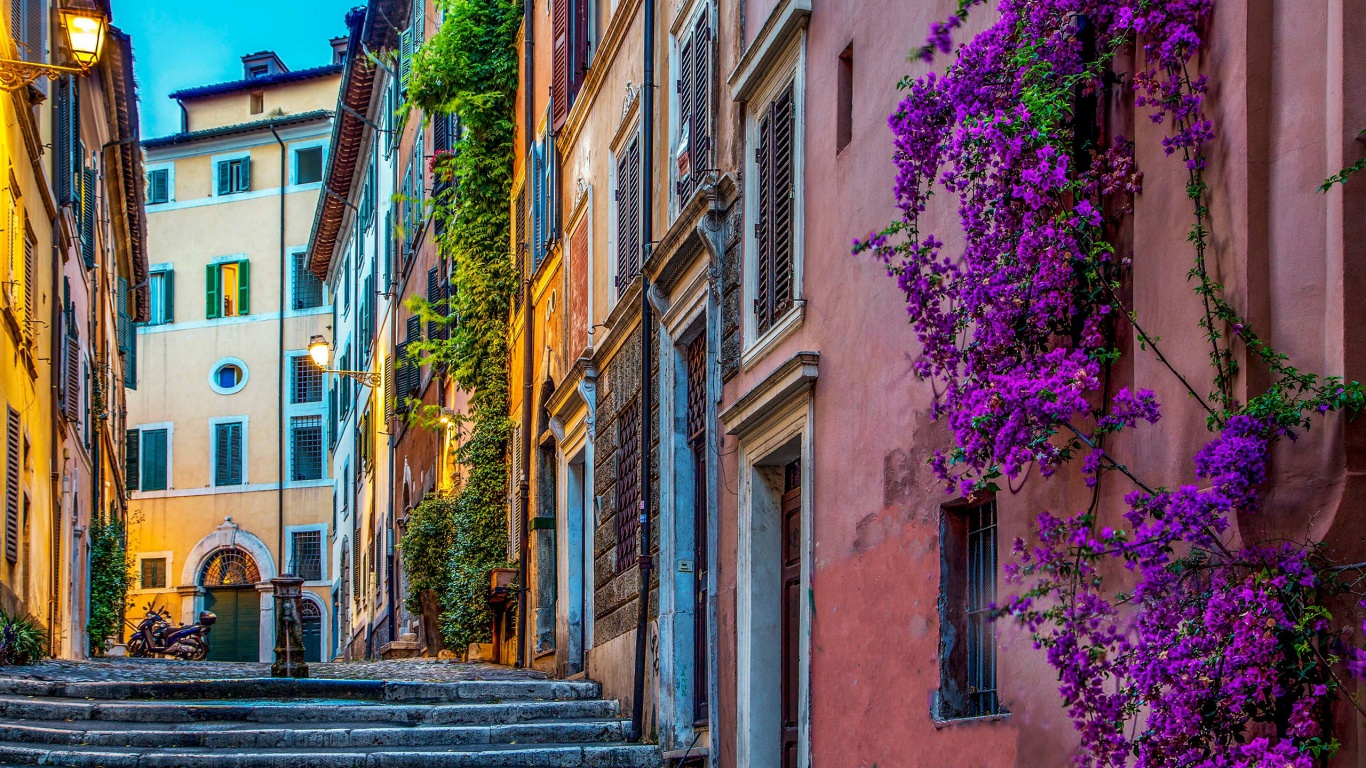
88,196
405,59
213,302
686,116
783,135
514,489
161,181
699,131
154,460
435,296
559,62
419,22
245,174
131,471
30,284
130,360
401,368
72,360
579,62
441,133
65,170
538,206
12,465
225,178
168,295
228,454
628,216
244,287
763,234
390,400
35,31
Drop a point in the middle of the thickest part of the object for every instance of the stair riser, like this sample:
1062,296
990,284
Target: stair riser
554,757
328,738
449,714
266,688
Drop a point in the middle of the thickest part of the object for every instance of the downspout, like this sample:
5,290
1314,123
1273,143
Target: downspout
58,500
644,561
524,482
280,487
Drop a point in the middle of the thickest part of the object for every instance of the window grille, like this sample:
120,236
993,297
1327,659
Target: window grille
227,454
981,593
696,359
306,548
628,484
307,382
968,684
306,447
154,573
228,568
773,230
308,289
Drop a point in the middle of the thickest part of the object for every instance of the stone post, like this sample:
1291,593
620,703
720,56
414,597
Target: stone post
289,629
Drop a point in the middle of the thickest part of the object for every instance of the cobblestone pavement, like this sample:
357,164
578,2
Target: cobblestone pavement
408,670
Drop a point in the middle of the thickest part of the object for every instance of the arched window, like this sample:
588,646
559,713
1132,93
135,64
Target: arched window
229,568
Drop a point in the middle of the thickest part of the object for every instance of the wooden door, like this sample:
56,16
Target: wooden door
792,605
236,636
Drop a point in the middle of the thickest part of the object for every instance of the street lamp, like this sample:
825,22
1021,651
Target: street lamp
321,352
85,30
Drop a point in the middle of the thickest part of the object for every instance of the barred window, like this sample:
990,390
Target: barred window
628,484
306,385
306,447
967,637
306,549
308,289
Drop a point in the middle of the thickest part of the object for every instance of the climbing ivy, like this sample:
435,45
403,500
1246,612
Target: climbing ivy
111,576
469,68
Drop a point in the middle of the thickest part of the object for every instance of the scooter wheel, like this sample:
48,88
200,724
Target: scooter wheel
137,648
200,652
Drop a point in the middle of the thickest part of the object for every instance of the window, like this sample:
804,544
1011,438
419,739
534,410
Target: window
968,569
228,289
258,102
306,554
773,230
570,36
161,293
308,165
306,447
146,458
308,289
844,106
228,376
13,462
159,186
234,175
628,484
153,573
228,464
306,383
259,71
693,154
628,215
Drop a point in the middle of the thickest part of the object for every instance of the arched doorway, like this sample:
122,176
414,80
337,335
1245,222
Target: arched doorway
229,578
311,615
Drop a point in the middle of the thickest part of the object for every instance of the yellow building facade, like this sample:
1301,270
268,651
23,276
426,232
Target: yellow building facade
228,458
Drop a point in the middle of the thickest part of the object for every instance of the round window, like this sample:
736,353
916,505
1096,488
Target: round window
228,377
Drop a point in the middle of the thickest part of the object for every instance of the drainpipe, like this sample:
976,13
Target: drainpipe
58,500
643,559
280,487
524,482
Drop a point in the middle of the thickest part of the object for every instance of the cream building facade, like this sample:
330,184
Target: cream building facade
228,464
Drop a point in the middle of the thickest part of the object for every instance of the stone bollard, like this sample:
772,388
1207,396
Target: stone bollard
289,628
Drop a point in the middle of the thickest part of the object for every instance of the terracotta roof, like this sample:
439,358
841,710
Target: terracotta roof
374,29
232,130
253,83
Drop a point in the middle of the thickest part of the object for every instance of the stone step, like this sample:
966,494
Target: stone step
547,756
239,736
273,688
304,711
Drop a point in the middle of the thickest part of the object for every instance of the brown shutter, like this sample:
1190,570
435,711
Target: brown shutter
763,226
700,132
784,134
12,464
628,215
559,62
579,61
686,118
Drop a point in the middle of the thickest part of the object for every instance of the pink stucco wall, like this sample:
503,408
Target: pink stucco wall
1288,100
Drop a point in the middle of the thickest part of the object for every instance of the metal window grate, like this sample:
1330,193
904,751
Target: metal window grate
628,484
981,594
229,567
306,549
306,385
306,447
696,359
308,289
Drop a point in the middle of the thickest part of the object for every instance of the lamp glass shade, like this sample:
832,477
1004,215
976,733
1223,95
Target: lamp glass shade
320,351
84,34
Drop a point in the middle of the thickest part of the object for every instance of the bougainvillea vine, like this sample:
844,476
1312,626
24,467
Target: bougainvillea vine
1216,652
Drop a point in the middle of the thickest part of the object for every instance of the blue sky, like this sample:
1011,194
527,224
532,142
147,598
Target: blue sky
178,45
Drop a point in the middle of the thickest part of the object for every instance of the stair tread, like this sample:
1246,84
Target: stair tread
281,751
222,726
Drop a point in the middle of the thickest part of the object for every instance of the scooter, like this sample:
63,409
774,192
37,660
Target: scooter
156,636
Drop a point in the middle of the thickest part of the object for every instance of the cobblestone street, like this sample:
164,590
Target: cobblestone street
169,670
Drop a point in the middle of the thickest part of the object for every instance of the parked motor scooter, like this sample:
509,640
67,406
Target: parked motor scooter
155,635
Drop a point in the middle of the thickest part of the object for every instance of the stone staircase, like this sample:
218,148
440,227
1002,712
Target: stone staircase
266,723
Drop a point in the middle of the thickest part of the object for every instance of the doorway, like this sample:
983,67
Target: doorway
229,579
578,530
311,616
792,606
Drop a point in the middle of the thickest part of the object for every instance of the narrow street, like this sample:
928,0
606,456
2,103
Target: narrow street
427,714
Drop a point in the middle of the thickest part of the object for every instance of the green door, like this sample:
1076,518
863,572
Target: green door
236,636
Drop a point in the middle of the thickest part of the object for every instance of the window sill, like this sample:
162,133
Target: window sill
940,722
762,346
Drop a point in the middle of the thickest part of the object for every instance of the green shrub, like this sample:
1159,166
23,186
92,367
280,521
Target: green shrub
22,640
111,576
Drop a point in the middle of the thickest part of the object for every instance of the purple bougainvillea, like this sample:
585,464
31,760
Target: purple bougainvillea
1212,654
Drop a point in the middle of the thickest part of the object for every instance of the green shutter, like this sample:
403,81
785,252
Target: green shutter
246,174
130,460
168,295
154,460
213,300
243,287
225,178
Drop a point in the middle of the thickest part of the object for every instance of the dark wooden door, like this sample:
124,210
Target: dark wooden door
236,636
792,607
